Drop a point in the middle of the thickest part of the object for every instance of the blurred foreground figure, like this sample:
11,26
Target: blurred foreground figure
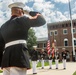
14,32
2,45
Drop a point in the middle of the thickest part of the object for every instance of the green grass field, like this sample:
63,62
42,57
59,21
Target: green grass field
74,73
1,71
46,63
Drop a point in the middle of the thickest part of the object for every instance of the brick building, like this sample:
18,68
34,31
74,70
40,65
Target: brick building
41,43
61,33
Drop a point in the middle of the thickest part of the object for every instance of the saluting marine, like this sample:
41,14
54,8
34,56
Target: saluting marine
14,32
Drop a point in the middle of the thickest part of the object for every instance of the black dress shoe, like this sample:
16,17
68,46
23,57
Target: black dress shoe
64,68
56,68
42,68
50,68
34,73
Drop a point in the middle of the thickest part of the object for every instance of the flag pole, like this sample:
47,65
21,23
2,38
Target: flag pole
72,30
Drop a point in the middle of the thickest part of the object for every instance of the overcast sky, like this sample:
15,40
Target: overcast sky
52,10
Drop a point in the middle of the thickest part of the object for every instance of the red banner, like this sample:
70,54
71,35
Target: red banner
52,52
48,46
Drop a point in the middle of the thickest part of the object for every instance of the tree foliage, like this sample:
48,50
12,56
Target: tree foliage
31,41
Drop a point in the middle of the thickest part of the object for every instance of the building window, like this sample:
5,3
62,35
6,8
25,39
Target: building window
66,25
75,42
38,45
55,32
65,42
44,45
51,33
74,30
62,25
74,24
65,31
70,24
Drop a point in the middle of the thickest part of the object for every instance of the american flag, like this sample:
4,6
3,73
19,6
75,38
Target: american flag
48,47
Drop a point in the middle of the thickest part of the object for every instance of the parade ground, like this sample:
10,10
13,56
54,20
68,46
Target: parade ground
71,68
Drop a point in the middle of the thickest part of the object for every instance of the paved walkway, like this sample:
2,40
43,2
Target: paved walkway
71,68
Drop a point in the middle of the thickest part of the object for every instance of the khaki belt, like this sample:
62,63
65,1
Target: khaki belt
15,42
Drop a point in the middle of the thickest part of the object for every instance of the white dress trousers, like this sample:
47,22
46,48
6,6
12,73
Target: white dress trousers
56,62
64,63
14,71
34,64
50,63
42,62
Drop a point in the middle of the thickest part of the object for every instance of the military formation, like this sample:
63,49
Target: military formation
42,56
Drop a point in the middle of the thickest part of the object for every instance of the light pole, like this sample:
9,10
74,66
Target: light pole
72,30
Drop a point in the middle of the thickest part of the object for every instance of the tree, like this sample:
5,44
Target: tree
31,41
